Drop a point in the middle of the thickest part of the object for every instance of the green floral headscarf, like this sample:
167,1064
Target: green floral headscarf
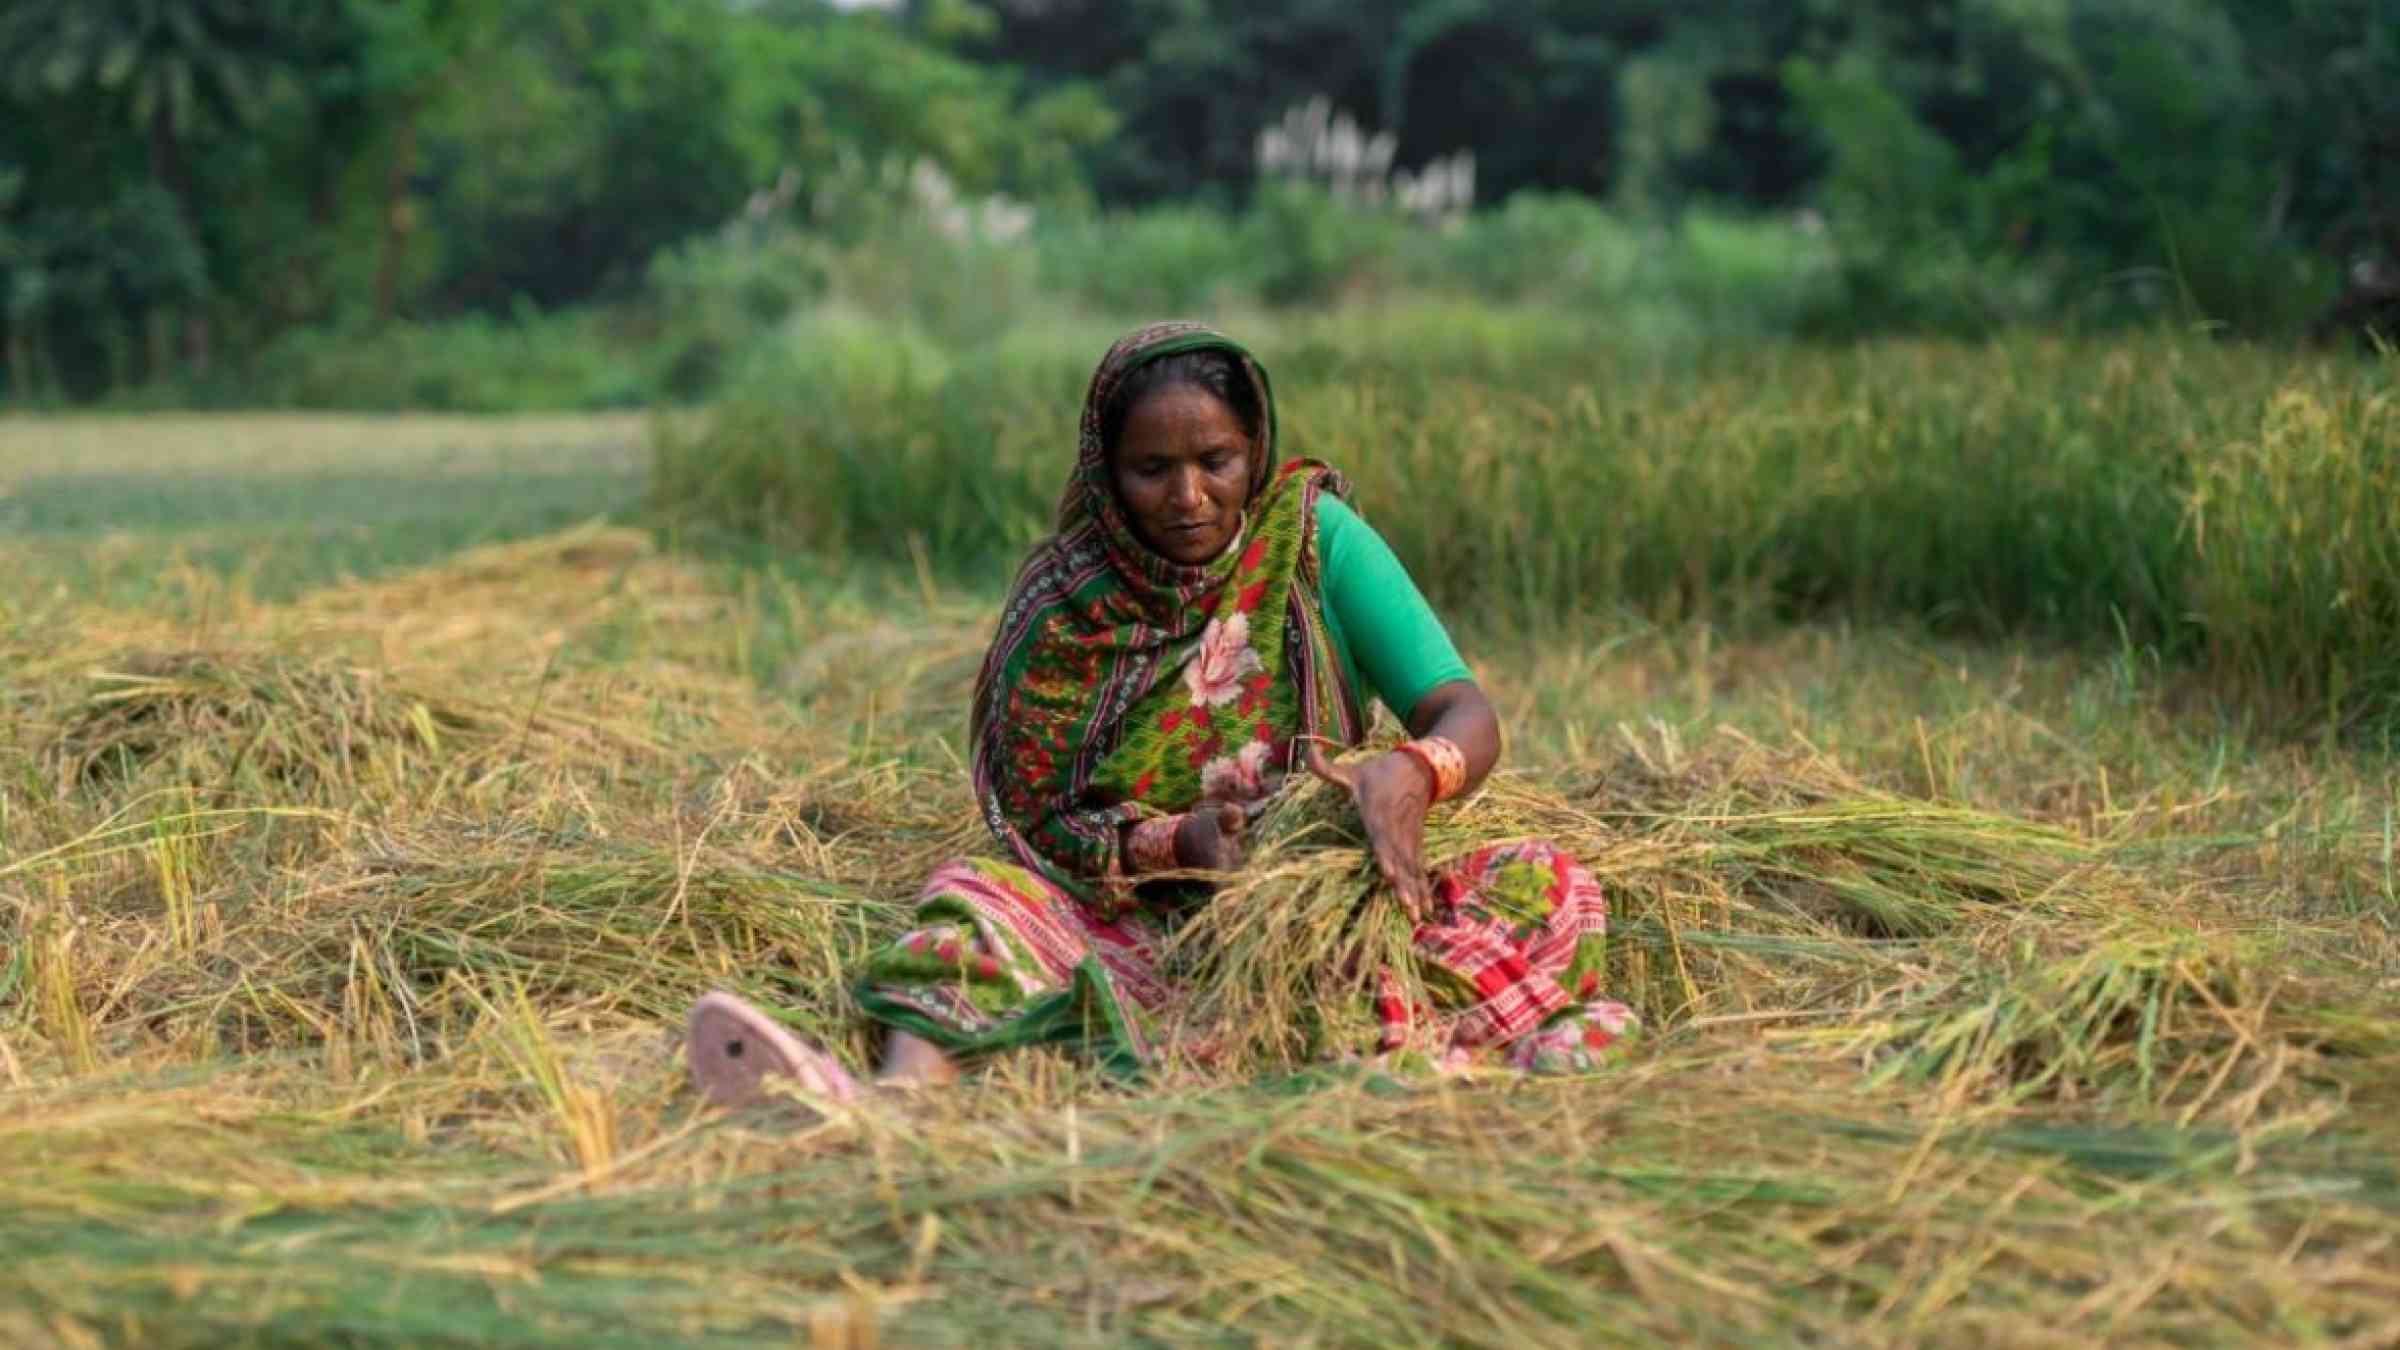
1123,684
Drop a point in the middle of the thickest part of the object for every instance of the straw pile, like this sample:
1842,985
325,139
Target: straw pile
340,1003
259,725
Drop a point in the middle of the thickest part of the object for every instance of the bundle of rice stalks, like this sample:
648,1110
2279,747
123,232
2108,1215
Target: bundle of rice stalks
1774,888
1799,828
384,957
273,727
2138,1013
298,727
1288,958
1775,877
1880,866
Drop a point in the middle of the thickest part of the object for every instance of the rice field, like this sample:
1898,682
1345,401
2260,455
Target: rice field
2234,509
353,881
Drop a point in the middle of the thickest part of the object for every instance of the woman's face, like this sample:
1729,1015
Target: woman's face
1182,468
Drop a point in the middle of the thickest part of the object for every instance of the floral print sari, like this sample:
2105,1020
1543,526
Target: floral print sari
1121,685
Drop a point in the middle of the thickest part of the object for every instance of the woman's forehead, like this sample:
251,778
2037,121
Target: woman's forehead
1166,424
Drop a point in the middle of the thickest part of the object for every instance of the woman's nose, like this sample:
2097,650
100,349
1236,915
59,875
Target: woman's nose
1187,493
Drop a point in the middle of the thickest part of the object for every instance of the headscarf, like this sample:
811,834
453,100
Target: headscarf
1079,725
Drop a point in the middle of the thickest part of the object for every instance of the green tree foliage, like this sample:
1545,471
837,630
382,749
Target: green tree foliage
186,177
586,137
2211,159
1978,159
176,167
174,68
98,236
1525,83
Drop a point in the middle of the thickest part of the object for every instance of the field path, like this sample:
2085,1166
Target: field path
294,500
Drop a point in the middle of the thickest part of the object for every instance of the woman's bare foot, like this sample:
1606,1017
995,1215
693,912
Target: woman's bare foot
913,1061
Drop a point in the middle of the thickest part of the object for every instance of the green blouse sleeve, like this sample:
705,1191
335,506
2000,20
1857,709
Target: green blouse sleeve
1386,632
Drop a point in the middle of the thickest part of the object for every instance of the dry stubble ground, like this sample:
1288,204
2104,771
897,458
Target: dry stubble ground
1997,998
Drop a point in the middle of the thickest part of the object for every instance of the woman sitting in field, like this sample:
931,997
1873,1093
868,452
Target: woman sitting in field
1201,618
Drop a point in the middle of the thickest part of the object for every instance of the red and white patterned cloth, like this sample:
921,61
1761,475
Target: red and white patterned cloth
1517,959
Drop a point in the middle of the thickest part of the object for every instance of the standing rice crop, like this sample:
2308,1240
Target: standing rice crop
2149,490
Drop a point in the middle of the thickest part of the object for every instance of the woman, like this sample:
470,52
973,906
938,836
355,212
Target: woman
1200,618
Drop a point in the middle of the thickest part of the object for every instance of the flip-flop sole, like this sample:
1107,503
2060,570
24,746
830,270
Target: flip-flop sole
733,1048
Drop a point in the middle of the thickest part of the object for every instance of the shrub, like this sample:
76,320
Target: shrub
1540,244
853,434
471,364
717,294
1165,260
1311,247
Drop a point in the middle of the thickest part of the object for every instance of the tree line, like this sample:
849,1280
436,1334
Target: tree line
181,180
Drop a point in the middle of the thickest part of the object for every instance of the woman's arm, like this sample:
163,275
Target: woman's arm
1399,645
1460,714
1395,790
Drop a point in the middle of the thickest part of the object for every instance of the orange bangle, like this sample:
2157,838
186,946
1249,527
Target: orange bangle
1151,845
1444,763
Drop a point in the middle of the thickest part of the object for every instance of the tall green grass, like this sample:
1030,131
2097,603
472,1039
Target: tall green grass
2295,529
2226,506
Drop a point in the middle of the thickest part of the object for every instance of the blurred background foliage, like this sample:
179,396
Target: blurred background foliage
503,203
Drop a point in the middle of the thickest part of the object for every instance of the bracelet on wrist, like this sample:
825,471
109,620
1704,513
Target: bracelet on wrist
1445,764
1150,846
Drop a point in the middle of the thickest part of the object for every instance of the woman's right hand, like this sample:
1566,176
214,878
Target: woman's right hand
1392,792
1210,838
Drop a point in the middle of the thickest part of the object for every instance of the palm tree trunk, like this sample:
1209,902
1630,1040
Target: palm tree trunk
18,377
166,166
159,352
396,220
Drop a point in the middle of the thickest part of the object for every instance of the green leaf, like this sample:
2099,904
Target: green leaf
117,62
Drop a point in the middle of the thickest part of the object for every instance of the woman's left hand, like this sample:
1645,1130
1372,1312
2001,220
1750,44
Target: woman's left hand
1393,794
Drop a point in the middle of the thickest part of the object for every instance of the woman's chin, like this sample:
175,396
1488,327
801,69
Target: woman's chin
1189,550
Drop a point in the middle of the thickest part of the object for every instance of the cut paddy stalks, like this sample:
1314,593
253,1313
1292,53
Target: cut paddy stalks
294,731
322,1020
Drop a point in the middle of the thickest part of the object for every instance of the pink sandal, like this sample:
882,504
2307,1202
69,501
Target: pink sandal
732,1046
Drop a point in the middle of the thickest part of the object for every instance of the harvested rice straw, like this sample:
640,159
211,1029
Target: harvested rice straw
1285,958
1769,887
1289,957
